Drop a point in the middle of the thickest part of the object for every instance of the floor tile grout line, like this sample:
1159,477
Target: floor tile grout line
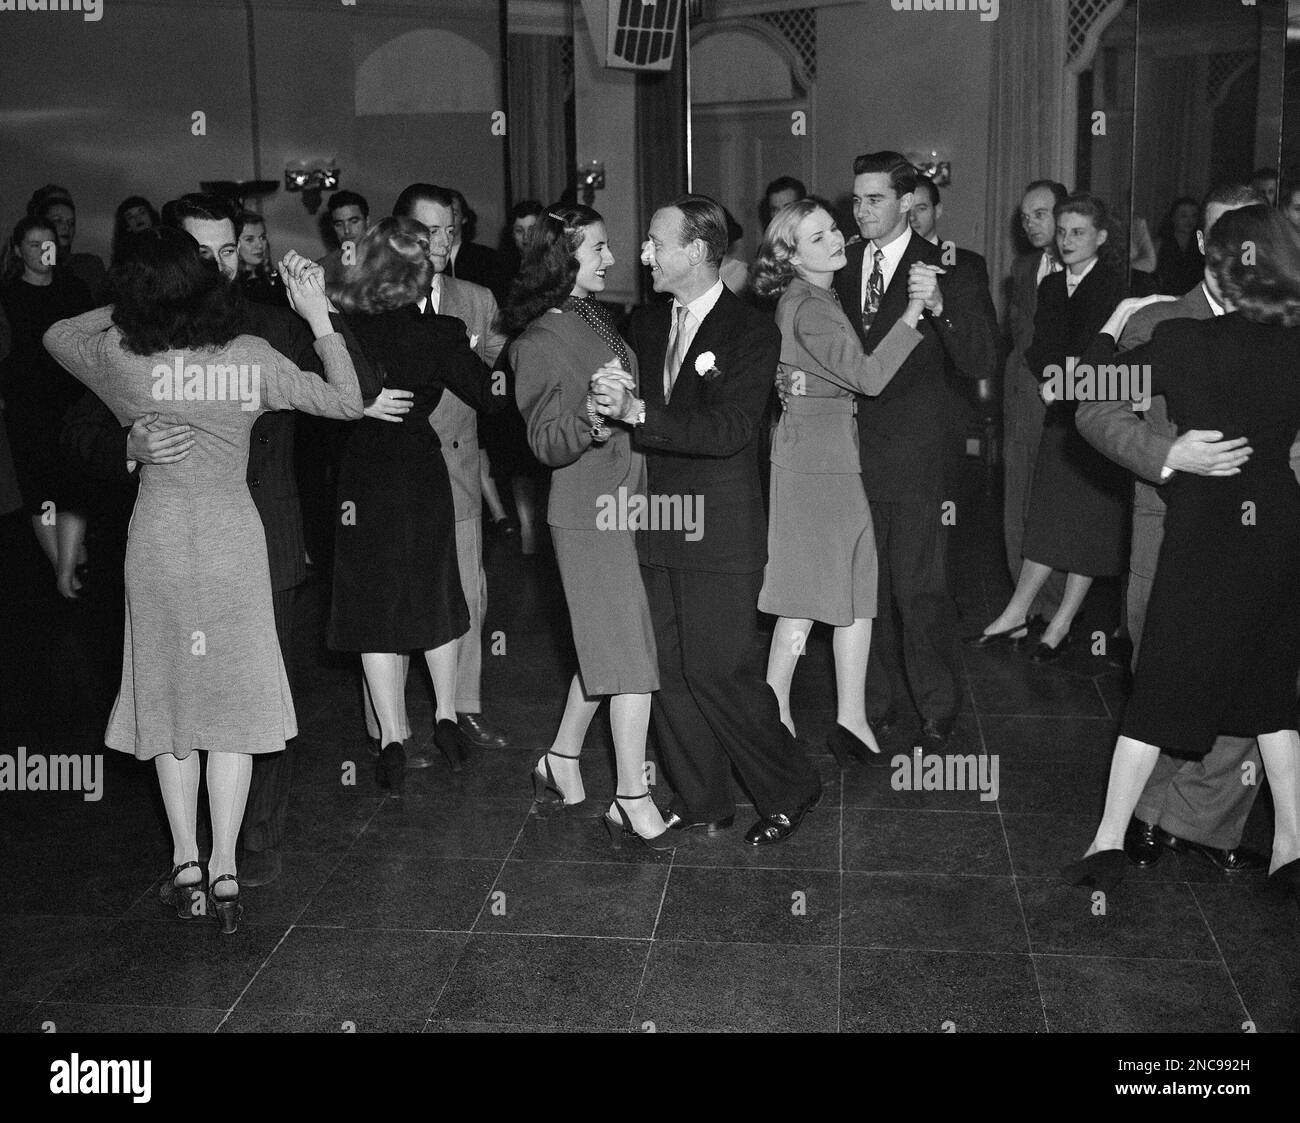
474,923
650,946
1217,947
293,923
1015,882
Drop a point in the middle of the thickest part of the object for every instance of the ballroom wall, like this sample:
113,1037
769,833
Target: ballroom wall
104,108
912,81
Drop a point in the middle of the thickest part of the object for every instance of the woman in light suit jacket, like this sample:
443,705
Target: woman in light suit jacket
568,341
821,546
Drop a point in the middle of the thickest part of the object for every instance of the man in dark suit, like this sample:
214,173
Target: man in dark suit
349,215
1201,805
1023,409
902,435
707,364
927,210
92,432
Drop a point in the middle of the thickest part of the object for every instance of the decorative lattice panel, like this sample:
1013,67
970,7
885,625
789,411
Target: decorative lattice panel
1222,69
1083,14
566,60
799,27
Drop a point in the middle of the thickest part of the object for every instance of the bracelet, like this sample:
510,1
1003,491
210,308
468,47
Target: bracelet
599,430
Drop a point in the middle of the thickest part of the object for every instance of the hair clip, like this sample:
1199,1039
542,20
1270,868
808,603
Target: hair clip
552,214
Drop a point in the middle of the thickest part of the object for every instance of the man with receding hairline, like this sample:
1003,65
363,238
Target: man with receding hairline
707,365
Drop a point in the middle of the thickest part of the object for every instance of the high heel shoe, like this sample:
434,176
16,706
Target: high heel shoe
1014,637
227,910
548,798
618,832
183,897
845,745
1045,654
1103,870
446,735
390,768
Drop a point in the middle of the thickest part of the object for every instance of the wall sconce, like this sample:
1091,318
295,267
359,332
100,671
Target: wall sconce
311,180
939,172
591,178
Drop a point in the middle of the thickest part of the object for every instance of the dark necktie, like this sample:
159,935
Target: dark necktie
875,291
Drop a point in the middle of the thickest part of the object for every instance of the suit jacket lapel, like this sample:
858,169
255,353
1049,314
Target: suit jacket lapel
708,338
650,355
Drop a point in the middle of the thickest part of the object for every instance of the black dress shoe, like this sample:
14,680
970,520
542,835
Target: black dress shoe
1015,637
479,733
771,829
934,734
259,867
845,746
1103,870
1236,860
1143,843
674,821
882,725
1045,654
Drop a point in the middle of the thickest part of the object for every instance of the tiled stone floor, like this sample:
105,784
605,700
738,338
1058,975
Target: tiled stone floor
454,910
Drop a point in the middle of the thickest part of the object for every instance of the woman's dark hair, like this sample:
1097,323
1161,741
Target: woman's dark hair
1112,253
169,298
45,197
1166,229
525,208
1254,253
11,266
120,232
243,220
391,271
549,267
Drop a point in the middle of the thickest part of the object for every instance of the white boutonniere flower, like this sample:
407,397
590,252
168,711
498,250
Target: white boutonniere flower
473,342
706,366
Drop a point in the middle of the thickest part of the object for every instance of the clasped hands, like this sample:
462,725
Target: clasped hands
612,392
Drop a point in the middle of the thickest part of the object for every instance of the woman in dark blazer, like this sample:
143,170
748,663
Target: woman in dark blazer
1221,646
1078,507
597,486
821,546
396,579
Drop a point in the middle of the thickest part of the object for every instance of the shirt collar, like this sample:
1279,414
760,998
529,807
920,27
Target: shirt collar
894,251
1215,307
703,304
1074,280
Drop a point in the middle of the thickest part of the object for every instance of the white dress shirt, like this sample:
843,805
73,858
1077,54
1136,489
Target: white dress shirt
1074,280
435,292
893,254
698,308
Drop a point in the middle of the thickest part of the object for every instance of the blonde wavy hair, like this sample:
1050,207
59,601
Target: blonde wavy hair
391,271
773,270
